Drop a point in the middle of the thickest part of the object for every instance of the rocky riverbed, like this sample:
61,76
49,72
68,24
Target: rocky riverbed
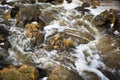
59,40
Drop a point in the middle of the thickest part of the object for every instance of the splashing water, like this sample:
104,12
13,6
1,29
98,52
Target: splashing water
86,56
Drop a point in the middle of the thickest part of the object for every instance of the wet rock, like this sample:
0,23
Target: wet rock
105,18
3,55
43,72
4,31
90,76
70,37
45,1
88,17
22,73
7,15
1,11
14,11
28,1
110,75
86,4
69,1
100,19
61,42
32,31
61,73
27,14
5,2
55,2
107,21
4,43
54,14
82,10
117,24
79,8
95,3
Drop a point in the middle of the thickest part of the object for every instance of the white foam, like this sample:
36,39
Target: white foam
54,26
45,78
11,0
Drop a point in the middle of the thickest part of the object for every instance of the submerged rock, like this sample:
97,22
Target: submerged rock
61,73
22,73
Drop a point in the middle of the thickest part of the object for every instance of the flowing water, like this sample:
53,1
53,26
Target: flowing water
94,49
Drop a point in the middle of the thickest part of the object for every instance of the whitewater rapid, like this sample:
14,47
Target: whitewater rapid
85,57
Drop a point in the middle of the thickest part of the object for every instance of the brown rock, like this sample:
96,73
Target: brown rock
61,73
27,14
95,3
22,73
88,17
60,42
86,4
90,76
32,29
7,15
54,14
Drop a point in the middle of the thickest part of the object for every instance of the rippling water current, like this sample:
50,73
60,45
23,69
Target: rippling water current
94,50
